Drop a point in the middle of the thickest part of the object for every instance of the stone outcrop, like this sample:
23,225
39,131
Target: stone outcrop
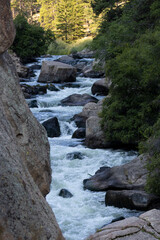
144,227
7,30
25,172
78,100
22,70
56,72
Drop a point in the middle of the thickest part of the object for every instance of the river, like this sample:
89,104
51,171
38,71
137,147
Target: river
85,212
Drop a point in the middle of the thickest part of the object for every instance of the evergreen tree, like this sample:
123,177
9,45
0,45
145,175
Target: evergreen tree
70,18
47,17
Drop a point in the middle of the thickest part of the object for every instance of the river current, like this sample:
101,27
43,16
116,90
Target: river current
85,212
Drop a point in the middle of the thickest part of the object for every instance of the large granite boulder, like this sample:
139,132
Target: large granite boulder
78,100
56,72
144,227
25,171
7,30
130,176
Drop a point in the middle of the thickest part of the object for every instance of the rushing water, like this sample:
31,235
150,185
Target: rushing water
85,212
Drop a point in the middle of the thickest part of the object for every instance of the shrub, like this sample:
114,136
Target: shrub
31,40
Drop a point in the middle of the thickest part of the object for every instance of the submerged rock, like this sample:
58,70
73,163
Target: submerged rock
33,104
65,193
56,72
74,155
52,127
78,100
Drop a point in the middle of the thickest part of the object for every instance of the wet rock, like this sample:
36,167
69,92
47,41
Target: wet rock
74,155
78,100
101,87
132,199
30,91
52,127
79,120
33,104
35,67
65,193
79,133
52,87
56,72
125,177
146,226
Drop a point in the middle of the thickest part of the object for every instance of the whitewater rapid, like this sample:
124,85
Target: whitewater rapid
85,212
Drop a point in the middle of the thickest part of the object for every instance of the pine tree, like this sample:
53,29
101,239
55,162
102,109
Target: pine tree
48,14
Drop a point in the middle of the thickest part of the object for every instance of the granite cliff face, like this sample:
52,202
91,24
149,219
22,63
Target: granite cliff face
25,172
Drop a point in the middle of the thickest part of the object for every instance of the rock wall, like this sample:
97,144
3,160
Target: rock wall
25,172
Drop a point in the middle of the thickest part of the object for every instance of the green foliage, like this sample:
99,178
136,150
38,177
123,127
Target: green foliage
60,47
31,40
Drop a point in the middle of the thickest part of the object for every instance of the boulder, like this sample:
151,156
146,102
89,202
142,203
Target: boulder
91,73
74,155
65,193
56,72
78,100
23,71
79,133
52,87
25,171
95,137
7,30
52,127
66,59
90,109
101,87
125,177
30,91
85,53
144,227
35,67
132,199
33,104
79,120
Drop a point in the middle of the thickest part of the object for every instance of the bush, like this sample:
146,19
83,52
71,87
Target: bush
31,40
